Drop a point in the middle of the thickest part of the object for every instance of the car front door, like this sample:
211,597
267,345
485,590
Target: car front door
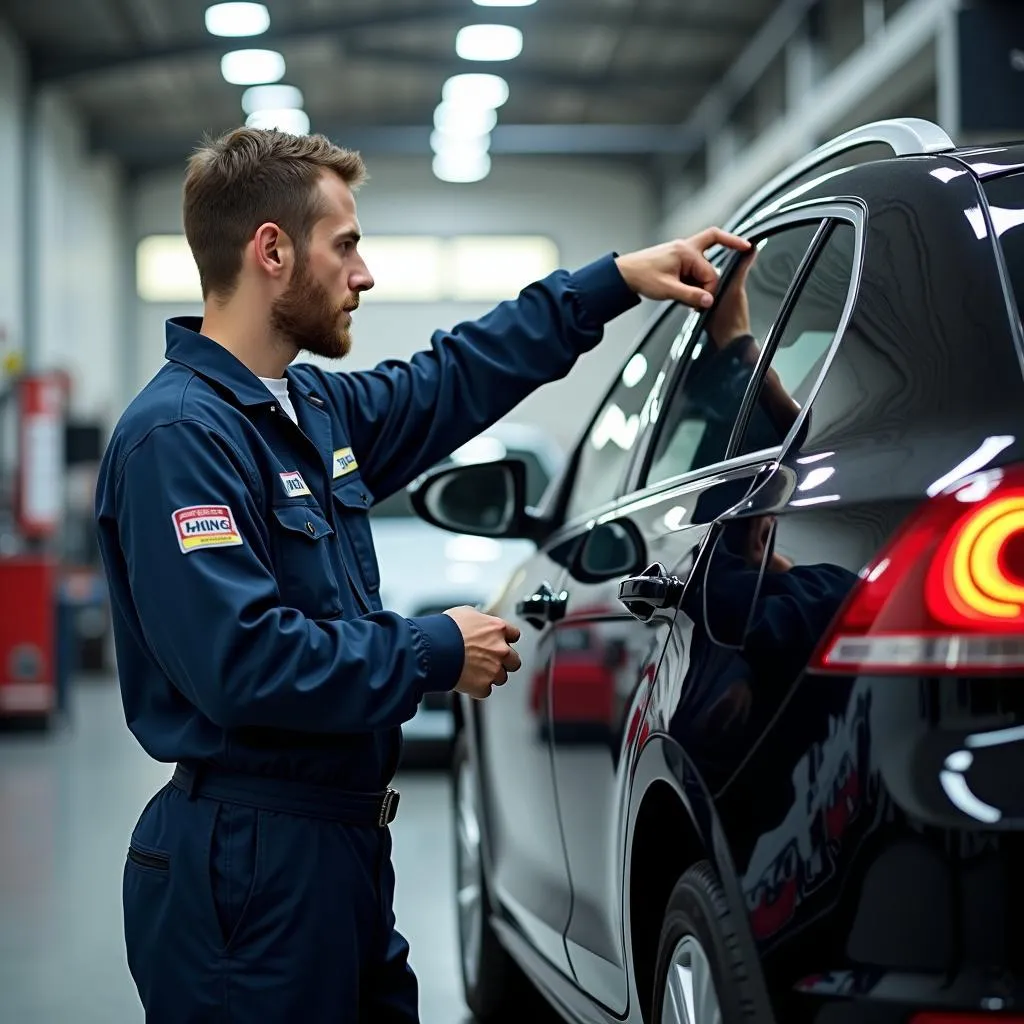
527,865
605,657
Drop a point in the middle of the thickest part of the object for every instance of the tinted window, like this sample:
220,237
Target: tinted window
398,506
606,448
699,416
803,344
1006,204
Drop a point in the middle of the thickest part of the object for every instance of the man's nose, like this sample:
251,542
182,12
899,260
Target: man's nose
361,279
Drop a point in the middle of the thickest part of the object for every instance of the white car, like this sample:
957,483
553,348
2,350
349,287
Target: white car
425,569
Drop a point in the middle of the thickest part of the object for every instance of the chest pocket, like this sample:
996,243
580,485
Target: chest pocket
352,505
302,539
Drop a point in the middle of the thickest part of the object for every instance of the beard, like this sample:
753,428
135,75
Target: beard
305,316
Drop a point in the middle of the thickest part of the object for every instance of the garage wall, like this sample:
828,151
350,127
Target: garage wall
12,74
77,306
588,210
60,301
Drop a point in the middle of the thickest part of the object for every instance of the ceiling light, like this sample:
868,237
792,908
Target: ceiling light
461,167
271,97
237,19
440,142
489,42
464,122
504,3
252,67
290,120
475,90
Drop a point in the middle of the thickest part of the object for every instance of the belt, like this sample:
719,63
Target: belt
289,796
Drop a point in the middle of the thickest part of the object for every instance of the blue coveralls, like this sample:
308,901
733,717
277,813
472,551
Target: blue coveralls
253,651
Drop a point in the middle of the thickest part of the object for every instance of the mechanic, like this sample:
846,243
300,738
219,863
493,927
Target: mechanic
252,648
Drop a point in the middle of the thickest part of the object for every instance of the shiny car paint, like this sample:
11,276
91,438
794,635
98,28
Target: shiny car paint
865,884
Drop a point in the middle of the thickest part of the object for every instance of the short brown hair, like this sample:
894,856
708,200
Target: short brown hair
249,176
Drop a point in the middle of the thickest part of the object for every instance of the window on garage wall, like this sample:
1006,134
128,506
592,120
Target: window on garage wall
165,270
406,268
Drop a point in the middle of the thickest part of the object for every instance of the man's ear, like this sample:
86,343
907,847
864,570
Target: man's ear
273,251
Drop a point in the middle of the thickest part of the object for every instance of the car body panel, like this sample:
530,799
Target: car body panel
528,871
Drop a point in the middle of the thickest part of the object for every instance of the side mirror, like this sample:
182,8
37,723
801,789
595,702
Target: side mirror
610,549
486,499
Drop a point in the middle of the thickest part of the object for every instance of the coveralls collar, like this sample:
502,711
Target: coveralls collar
187,346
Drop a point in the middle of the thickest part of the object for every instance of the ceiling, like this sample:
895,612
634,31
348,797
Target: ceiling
594,76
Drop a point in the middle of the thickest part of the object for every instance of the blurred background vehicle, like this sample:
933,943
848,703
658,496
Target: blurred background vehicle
425,570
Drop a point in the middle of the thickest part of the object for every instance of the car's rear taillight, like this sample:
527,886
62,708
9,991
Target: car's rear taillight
947,594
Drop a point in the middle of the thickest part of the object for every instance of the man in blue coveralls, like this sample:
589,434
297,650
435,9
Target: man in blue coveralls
252,648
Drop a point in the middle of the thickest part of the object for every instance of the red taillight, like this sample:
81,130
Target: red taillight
947,594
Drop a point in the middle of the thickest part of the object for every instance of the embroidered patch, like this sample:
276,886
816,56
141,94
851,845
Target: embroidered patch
344,462
205,526
294,484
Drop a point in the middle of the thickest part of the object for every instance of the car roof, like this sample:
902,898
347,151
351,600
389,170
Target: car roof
905,137
990,161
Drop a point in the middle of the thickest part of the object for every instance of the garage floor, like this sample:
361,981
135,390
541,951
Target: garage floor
67,806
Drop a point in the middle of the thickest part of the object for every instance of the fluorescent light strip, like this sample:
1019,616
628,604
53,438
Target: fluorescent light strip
237,19
489,42
252,67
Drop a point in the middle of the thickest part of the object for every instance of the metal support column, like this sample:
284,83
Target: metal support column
947,65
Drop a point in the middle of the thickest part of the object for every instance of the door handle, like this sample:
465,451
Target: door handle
543,606
652,590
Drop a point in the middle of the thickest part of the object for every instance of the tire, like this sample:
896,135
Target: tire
494,985
698,934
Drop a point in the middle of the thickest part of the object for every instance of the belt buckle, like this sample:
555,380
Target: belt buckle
388,807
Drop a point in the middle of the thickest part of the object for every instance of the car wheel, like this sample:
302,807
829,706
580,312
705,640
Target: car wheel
495,987
700,977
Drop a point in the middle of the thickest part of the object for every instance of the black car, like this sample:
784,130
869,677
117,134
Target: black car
764,760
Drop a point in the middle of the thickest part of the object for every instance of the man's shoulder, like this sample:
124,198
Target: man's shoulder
175,397
311,377
332,386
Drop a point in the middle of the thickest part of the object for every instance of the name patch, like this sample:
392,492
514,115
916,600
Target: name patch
344,462
294,484
205,526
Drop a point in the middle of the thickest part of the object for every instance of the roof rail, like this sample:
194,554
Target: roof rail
906,136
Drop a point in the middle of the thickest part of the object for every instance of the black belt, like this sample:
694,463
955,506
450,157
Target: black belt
289,796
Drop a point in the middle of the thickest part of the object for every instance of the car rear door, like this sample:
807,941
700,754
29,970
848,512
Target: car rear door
752,623
605,659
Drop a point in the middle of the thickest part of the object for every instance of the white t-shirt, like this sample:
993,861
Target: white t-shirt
278,387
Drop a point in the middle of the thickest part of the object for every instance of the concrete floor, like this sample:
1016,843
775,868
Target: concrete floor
68,802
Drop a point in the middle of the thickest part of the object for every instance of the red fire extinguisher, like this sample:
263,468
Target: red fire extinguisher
40,492
28,578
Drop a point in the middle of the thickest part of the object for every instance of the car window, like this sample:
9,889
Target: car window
701,411
803,344
606,447
398,505
1006,207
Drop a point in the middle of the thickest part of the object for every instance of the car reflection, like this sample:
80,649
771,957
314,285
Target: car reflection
756,620
583,684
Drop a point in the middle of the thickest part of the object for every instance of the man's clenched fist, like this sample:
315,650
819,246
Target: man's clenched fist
489,658
678,270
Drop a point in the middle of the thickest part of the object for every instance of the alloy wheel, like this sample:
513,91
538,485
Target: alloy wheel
469,873
690,996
